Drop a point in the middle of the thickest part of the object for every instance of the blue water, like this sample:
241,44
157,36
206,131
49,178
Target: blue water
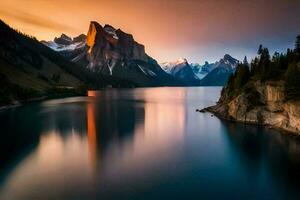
141,144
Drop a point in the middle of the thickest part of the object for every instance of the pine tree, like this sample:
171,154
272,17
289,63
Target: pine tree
297,45
260,49
254,66
297,50
265,64
230,85
245,61
242,76
292,81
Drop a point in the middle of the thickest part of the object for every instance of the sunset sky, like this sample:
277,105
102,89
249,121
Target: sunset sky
198,30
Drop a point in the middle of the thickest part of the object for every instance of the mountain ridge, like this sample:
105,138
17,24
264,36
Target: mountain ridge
209,74
112,52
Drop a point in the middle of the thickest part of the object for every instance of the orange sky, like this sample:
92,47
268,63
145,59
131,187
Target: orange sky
196,29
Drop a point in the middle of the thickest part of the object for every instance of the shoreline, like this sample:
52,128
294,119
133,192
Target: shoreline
36,99
214,110
20,103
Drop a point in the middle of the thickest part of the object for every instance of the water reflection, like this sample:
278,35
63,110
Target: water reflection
142,143
271,154
92,134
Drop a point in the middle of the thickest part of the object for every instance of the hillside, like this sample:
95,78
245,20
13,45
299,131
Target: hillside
29,69
268,93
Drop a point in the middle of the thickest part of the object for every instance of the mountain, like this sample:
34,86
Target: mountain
198,70
112,52
209,74
208,67
264,94
29,69
68,47
218,73
181,70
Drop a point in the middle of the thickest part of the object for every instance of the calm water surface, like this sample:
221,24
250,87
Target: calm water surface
141,144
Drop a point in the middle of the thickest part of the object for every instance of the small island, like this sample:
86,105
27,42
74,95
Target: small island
264,92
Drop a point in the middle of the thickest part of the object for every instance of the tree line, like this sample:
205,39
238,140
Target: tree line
281,66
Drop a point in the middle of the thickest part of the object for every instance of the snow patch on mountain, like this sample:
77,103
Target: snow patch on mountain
169,66
181,70
111,31
146,71
66,43
62,47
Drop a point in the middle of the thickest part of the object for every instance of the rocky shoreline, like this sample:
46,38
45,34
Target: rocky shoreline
273,110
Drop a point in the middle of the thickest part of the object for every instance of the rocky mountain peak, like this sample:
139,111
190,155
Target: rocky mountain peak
229,59
182,70
79,38
182,61
97,35
63,39
111,31
107,47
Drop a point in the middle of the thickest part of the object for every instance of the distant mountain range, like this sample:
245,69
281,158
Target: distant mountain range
209,74
219,72
104,57
112,52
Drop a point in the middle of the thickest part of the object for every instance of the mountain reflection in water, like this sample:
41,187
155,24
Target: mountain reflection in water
141,143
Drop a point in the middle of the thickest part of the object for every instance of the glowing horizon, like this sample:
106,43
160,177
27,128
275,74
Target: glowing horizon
196,30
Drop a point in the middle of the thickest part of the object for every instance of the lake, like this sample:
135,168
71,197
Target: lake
141,144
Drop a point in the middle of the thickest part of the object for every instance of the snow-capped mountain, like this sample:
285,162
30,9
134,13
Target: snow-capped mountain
228,62
70,48
198,70
210,74
66,43
219,71
169,66
112,52
181,70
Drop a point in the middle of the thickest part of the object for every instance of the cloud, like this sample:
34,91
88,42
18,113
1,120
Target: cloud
34,20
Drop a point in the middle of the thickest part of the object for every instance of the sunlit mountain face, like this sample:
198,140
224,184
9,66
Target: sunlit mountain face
168,29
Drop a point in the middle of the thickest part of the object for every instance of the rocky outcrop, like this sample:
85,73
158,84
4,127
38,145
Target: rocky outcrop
113,52
265,105
79,38
108,47
63,39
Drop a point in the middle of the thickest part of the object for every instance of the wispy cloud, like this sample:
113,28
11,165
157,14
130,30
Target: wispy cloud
34,20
